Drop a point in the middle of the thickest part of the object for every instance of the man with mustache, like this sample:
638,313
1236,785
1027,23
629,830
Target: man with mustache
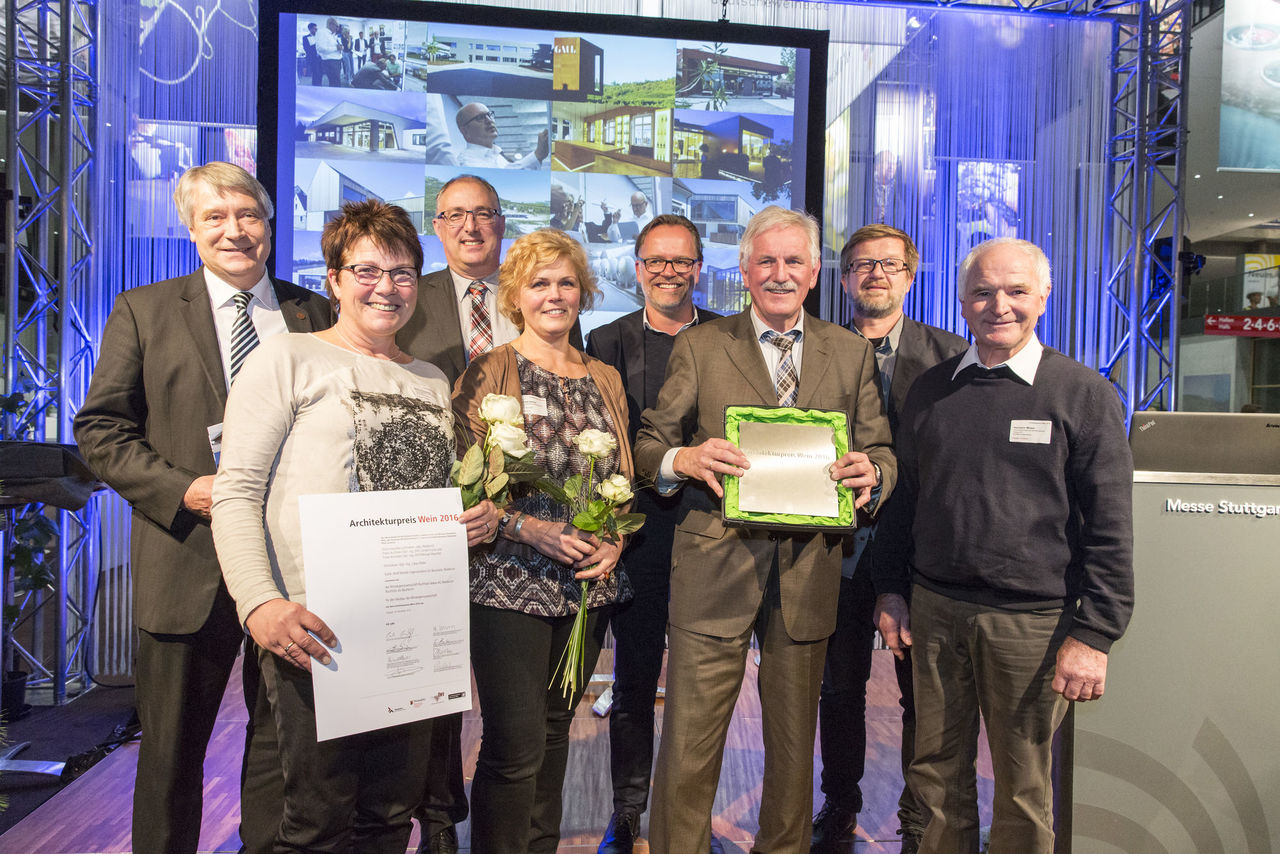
730,583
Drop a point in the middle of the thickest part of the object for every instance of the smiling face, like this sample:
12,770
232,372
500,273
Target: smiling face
668,292
549,302
231,234
476,123
471,248
1003,298
779,273
373,312
878,294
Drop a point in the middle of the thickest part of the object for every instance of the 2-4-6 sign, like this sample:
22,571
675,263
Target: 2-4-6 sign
1242,324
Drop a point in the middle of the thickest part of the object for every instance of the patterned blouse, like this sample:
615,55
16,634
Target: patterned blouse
522,579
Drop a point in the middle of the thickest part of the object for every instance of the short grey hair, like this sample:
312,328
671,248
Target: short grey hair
223,178
1039,261
776,217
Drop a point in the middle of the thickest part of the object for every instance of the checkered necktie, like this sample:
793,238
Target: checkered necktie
481,337
786,382
243,336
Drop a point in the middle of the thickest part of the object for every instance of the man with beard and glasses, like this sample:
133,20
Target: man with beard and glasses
730,583
878,266
668,261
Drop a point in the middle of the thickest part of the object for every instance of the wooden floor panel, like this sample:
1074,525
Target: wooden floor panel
92,815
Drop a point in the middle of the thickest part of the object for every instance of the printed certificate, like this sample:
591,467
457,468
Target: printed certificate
387,571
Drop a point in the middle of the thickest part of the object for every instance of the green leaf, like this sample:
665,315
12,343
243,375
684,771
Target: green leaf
472,466
496,484
524,469
573,486
587,521
628,523
470,495
496,458
553,490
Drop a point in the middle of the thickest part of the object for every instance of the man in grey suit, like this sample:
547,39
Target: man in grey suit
456,319
668,260
728,583
878,265
148,428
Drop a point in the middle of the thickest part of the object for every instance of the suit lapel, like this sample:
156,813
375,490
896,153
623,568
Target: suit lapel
296,318
908,364
744,354
441,297
631,335
814,362
198,317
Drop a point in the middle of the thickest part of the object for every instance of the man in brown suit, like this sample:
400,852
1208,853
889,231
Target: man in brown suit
154,405
729,583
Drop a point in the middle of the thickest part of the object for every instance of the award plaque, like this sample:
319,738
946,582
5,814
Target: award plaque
789,483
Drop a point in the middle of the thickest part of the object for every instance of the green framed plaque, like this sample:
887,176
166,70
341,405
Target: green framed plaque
789,484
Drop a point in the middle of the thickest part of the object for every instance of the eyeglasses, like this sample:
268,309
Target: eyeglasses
457,216
657,265
371,274
863,266
485,115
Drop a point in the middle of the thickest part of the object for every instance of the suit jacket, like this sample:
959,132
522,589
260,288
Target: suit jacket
620,343
920,347
719,573
158,386
434,331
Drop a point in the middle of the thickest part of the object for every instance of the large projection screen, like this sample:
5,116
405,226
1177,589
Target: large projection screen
590,123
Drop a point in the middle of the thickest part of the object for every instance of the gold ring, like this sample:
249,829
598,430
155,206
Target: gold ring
290,646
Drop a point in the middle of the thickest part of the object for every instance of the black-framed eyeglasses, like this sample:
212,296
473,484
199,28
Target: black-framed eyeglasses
457,216
657,265
371,274
485,115
863,266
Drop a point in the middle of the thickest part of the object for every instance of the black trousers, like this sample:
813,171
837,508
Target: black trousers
179,686
261,778
639,633
842,704
349,794
517,793
444,802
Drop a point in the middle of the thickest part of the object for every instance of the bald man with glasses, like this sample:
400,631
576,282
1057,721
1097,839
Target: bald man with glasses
479,128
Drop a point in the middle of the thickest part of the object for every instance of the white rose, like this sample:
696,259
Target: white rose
509,438
595,443
615,490
501,409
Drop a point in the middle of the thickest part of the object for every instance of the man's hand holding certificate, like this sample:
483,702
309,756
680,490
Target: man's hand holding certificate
792,463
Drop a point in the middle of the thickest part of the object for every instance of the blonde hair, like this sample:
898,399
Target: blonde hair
537,251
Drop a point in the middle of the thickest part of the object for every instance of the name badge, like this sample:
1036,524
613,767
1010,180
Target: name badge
534,405
1030,432
215,441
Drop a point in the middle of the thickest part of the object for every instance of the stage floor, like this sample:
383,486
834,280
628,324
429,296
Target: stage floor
92,815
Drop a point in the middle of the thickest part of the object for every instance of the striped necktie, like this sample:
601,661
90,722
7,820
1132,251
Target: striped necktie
481,338
786,382
243,336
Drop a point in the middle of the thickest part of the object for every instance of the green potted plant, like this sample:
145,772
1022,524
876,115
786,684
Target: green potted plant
28,567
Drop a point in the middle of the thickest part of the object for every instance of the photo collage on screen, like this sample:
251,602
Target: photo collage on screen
594,134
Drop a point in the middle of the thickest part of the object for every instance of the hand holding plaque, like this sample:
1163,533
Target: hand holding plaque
792,454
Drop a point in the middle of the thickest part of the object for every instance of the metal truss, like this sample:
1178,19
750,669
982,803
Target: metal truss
1068,8
52,95
1147,162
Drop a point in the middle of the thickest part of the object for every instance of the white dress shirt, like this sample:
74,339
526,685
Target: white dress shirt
264,313
491,157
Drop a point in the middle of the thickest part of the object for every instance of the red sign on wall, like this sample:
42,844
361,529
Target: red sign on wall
1245,325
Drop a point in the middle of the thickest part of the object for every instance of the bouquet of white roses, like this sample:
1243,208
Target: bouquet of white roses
595,508
488,469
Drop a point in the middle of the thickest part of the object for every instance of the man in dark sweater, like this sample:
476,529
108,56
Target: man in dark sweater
878,265
668,260
1012,533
